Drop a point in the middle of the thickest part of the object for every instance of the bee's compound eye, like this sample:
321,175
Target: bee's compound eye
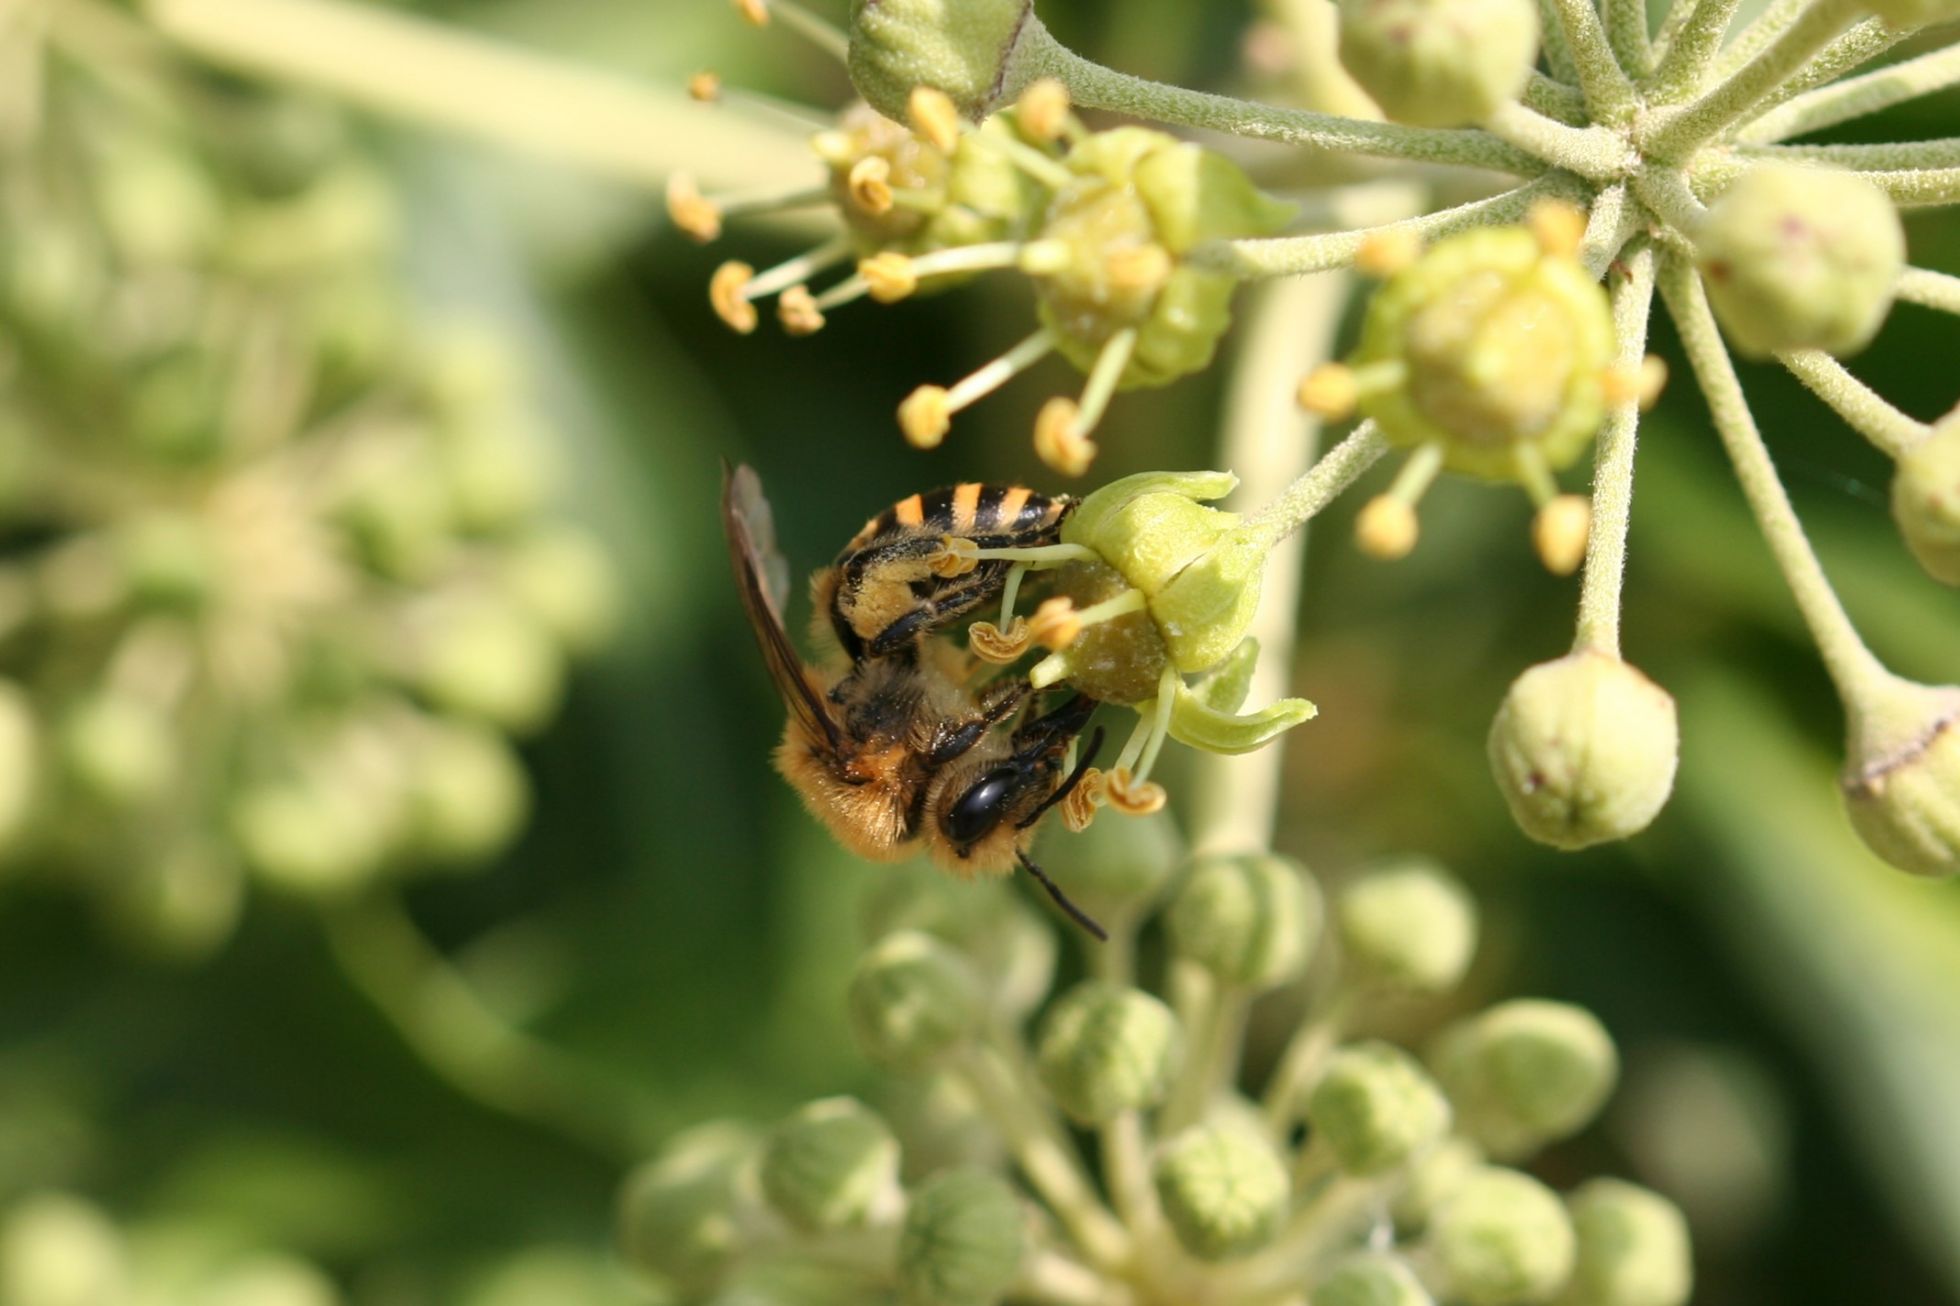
980,808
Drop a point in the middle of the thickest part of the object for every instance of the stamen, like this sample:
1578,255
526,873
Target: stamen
888,275
1061,430
1028,159
1329,391
1079,808
1138,268
1560,227
1043,109
725,289
1387,528
1131,796
956,556
850,288
1043,258
869,185
1010,590
818,31
1653,379
934,117
754,12
799,269
797,310
1559,532
1386,251
704,87
927,412
1056,624
690,211
1041,556
1535,475
925,416
990,643
1167,686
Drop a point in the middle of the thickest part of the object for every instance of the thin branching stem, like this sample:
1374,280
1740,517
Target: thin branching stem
1852,666
1598,153
1730,99
1608,92
1554,99
1684,68
1626,32
1039,54
1940,290
1863,43
1612,495
1855,97
1862,408
1903,156
1558,52
1337,469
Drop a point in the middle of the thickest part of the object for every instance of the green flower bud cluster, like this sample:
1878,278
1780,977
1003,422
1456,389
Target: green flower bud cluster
286,580
1206,1191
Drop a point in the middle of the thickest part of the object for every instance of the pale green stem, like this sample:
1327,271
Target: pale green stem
1851,665
456,1034
1940,290
1608,92
1558,53
1730,100
1047,1278
1756,36
1096,393
1626,30
1677,17
1890,430
820,32
1286,256
1301,1062
1943,153
1918,188
1043,1154
1270,442
1863,43
1855,97
1038,54
1597,153
1554,99
1674,200
1126,1174
1214,1027
799,269
1326,1225
1612,495
1609,225
571,113
990,377
1337,469
1684,68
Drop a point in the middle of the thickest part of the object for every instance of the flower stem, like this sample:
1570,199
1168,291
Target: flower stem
1626,32
426,72
1214,1016
1890,430
1940,290
1038,54
1855,97
457,1035
1337,469
1612,496
1851,665
1684,67
1728,101
1598,153
1287,256
1300,1064
1608,92
1941,153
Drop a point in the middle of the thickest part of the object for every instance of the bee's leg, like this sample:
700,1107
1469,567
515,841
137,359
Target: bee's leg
1051,731
998,701
949,602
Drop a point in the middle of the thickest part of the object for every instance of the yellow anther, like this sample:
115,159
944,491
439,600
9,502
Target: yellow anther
1042,110
704,86
1386,528
1559,227
1058,441
990,643
1653,379
798,312
1138,267
889,276
956,556
725,293
754,12
1056,623
925,415
1079,808
1132,796
690,211
1384,253
1559,533
870,186
834,147
934,117
1330,390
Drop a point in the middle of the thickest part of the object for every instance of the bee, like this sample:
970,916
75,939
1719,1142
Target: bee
890,749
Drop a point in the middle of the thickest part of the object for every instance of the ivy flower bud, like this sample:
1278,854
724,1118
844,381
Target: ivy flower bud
118,749
963,1240
1525,1073
1376,1108
1902,778
1250,920
1006,944
831,1165
57,1250
1115,870
1116,237
1584,749
1926,500
1492,348
680,1213
1633,1248
960,48
1409,926
1223,1189
1106,1049
1501,1238
1372,1279
469,794
911,999
1801,258
1430,1181
1439,63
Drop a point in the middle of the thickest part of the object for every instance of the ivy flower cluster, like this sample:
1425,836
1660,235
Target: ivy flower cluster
1509,334
278,582
1360,1172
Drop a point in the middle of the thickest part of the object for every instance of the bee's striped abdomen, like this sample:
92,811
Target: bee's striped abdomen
1013,513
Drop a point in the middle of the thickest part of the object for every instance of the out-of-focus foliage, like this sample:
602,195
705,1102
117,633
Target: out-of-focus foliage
670,916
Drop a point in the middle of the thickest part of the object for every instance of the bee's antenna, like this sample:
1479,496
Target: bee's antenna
1074,779
1075,913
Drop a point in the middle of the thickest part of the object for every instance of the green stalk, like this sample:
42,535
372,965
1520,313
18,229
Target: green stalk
1890,430
1813,29
1612,497
1856,97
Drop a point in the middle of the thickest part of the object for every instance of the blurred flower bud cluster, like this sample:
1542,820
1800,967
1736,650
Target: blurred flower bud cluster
280,585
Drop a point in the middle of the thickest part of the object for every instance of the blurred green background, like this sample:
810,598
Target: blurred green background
1787,1007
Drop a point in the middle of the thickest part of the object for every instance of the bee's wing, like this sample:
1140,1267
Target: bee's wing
762,576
